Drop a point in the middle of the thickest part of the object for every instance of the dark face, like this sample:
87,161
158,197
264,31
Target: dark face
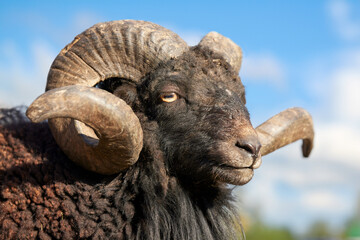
204,127
198,103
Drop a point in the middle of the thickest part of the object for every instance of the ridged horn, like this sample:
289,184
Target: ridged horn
284,128
115,124
223,46
125,49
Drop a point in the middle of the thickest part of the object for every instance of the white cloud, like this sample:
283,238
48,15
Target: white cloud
23,74
263,68
340,13
323,200
338,142
23,78
294,192
338,116
346,90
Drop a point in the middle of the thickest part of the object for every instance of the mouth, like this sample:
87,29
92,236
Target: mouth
255,164
233,175
234,165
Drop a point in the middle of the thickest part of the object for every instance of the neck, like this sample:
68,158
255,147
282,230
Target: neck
163,208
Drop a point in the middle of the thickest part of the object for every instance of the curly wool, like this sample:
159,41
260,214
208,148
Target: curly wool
45,196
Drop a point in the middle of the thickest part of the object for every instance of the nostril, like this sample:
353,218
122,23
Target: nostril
251,147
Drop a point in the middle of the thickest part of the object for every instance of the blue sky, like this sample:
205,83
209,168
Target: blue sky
303,53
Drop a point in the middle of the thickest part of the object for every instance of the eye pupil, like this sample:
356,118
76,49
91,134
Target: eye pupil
169,97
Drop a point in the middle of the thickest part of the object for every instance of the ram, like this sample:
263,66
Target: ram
146,136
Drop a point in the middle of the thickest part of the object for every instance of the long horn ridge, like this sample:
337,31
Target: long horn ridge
126,49
284,128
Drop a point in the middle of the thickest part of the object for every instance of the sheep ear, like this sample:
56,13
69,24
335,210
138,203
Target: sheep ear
219,44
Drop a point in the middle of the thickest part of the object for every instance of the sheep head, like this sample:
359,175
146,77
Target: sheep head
193,96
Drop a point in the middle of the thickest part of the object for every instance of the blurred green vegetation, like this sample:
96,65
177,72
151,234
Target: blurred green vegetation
319,230
256,229
260,231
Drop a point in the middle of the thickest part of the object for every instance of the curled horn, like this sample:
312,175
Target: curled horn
284,128
125,49
117,127
219,44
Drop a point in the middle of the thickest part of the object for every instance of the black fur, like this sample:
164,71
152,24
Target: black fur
172,192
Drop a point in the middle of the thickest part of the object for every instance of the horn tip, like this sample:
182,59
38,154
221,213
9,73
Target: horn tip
307,147
34,114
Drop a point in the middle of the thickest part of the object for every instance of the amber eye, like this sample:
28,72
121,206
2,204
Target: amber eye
169,97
